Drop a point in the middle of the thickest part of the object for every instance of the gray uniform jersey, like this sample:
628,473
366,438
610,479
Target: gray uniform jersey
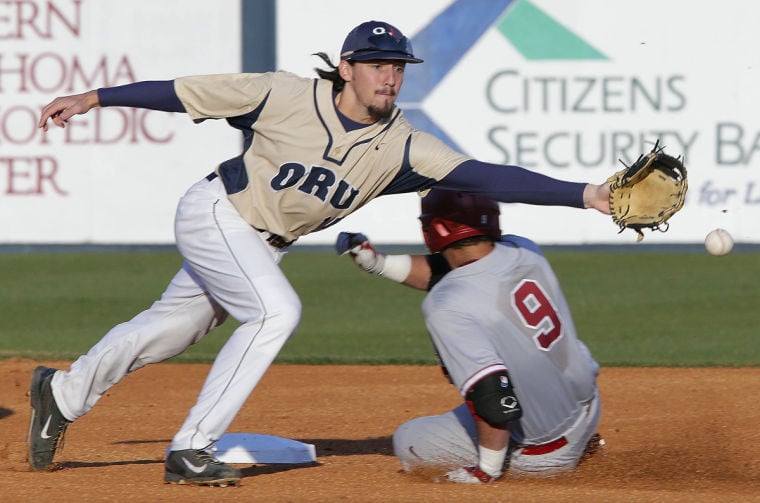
507,311
300,160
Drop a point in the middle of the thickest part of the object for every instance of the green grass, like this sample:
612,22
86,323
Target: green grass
665,309
671,309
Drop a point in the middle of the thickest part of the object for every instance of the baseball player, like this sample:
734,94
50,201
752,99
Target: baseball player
505,337
315,150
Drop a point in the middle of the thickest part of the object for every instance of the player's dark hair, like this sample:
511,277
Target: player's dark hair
469,241
331,75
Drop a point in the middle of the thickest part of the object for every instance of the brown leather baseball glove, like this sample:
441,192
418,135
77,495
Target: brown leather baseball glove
648,192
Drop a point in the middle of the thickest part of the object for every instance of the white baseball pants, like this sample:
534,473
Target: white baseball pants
229,268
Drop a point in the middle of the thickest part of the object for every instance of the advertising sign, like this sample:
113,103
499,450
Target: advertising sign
113,175
571,89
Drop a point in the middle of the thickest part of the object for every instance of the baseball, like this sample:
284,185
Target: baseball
719,242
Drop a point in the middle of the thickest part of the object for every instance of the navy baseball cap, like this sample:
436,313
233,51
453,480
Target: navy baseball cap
377,40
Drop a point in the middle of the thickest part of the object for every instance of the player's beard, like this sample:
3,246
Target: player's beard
383,112
378,113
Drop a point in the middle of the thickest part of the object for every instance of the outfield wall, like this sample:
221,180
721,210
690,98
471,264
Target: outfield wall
565,88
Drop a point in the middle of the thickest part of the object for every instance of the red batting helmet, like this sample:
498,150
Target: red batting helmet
449,216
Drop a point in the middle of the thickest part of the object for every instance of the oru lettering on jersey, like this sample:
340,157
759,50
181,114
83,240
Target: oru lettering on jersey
318,181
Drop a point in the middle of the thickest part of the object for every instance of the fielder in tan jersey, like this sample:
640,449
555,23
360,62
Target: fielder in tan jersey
301,170
315,150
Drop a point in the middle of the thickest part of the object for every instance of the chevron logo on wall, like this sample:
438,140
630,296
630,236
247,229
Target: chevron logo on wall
532,32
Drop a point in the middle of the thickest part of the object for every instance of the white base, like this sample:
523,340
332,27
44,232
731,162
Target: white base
251,448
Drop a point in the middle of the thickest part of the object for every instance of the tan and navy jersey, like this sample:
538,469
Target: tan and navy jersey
301,170
507,311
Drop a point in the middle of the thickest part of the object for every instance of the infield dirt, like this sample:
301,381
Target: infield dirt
675,434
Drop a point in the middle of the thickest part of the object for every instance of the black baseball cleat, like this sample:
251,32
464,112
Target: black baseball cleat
46,425
198,467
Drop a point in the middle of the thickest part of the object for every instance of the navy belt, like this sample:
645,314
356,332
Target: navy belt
274,239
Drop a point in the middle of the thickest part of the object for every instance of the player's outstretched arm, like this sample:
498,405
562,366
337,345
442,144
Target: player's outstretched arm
410,270
419,273
597,197
63,108
514,184
151,94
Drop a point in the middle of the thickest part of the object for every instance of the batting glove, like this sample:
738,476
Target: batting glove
361,250
471,475
347,241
